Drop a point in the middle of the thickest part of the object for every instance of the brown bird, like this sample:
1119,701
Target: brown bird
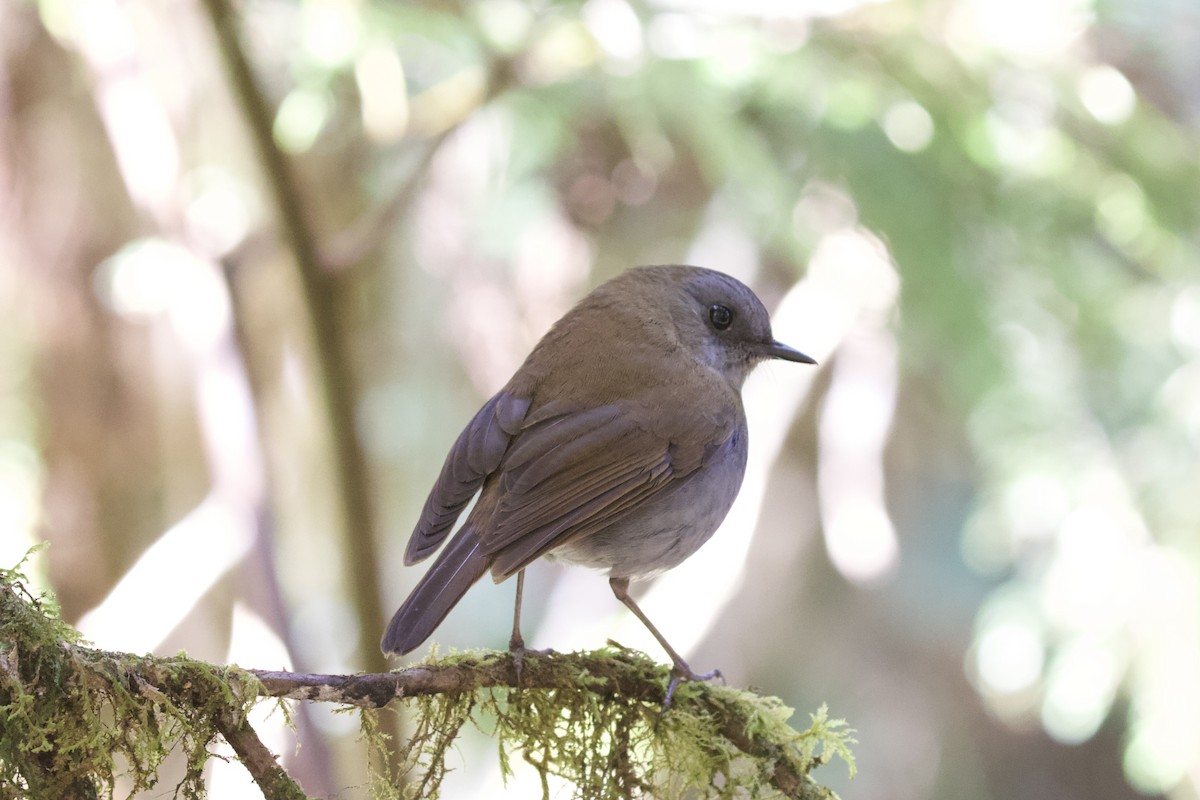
619,444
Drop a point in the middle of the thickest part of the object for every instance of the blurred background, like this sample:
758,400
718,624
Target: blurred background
260,262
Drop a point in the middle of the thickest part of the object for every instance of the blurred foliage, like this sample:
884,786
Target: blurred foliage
1029,168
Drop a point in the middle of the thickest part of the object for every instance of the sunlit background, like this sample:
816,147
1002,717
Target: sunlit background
228,381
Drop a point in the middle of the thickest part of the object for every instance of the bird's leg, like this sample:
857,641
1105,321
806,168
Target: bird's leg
516,642
680,670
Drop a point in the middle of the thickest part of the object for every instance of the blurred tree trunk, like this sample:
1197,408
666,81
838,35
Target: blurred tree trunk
102,417
323,301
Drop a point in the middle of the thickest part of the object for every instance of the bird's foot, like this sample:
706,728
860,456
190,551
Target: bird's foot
517,651
682,672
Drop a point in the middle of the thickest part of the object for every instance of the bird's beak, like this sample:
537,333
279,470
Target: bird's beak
779,350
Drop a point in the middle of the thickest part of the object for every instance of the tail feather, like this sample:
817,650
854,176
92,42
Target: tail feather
456,569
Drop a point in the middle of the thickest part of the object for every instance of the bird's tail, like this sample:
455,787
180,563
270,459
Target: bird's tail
456,569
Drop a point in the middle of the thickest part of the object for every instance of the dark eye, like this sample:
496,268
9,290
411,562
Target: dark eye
720,316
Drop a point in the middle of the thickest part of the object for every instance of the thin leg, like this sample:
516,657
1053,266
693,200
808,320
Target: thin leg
680,670
516,642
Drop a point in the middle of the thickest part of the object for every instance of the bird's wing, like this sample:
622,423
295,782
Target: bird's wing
573,473
475,455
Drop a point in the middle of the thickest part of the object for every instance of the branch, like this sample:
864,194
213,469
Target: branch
594,719
611,673
271,778
471,672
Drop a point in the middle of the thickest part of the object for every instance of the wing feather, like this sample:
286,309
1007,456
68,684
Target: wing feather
572,474
596,513
476,454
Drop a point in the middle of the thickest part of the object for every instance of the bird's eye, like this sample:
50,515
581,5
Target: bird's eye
720,316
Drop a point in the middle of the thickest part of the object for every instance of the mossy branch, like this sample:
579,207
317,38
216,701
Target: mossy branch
754,725
593,719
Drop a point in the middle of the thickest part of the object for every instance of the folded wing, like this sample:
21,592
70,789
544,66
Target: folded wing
573,473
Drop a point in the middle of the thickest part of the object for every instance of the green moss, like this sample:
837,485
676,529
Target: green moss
73,718
713,742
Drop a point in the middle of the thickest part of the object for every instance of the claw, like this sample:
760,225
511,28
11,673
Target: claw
517,651
682,672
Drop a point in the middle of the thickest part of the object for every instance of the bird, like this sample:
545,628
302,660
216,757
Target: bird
619,444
